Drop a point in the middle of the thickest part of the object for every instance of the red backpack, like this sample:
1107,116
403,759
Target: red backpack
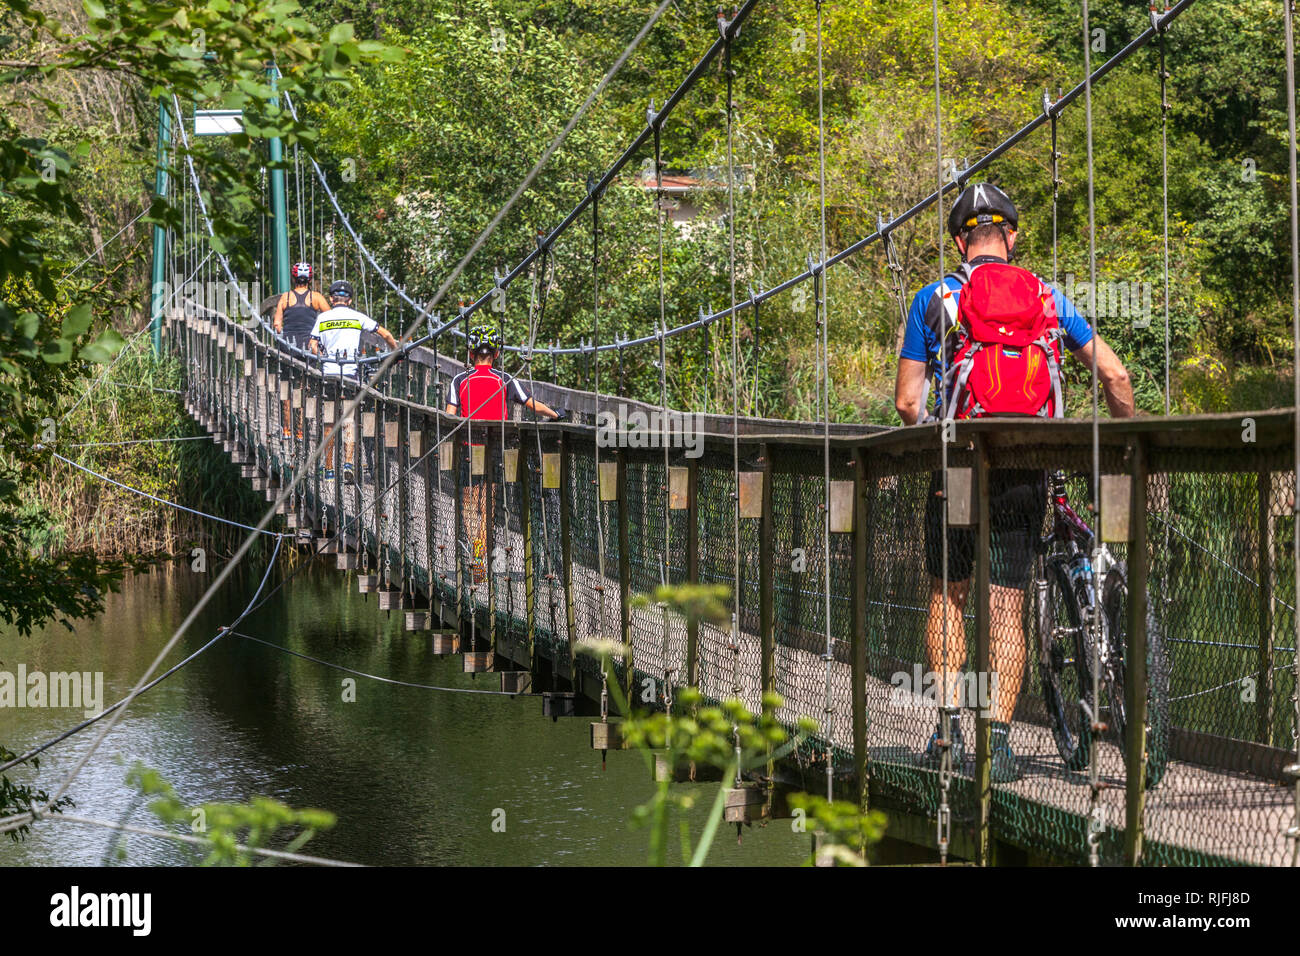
1007,355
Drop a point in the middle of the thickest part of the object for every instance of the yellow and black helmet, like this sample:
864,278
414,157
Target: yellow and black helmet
981,204
484,338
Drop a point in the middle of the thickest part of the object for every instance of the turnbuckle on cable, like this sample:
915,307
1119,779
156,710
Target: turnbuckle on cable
1096,827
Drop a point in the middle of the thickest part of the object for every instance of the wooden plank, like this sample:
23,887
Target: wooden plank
841,517
678,479
550,471
751,494
608,480
1116,496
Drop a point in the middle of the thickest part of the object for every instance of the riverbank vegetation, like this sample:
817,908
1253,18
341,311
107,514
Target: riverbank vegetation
78,82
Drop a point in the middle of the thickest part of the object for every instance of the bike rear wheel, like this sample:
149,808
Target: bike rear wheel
1064,663
1115,609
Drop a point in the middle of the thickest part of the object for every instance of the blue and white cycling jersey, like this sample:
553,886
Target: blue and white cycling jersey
926,317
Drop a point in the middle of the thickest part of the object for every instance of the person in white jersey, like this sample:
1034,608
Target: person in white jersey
337,334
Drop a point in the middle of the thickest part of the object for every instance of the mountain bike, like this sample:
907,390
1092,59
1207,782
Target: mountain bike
1070,642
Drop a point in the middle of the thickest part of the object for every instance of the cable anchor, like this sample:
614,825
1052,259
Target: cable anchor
724,23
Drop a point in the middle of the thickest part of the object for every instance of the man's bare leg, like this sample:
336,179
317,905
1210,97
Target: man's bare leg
349,443
329,447
1006,648
475,519
946,658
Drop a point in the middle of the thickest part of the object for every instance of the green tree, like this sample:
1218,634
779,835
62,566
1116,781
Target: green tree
52,332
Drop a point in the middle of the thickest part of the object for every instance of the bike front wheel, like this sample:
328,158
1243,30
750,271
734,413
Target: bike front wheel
1064,663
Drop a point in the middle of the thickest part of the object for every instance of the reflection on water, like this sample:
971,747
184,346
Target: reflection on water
413,775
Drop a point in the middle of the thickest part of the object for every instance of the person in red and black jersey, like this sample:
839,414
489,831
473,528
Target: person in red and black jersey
483,394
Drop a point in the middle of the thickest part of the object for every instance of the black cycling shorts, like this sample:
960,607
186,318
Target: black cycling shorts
1017,506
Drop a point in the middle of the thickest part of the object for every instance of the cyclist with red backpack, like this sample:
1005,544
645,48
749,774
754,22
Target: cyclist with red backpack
1003,332
483,393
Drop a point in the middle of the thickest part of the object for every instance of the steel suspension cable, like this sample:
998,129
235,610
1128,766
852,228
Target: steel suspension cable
537,313
600,510
653,119
605,180
730,109
705,321
377,677
164,501
944,740
1097,814
1164,183
287,856
1294,769
1056,187
823,321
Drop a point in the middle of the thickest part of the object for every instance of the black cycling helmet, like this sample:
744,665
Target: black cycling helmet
341,290
301,271
981,204
484,338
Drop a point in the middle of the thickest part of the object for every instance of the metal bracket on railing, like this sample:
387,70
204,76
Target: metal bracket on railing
725,22
961,176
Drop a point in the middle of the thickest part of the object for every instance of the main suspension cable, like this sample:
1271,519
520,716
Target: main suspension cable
824,371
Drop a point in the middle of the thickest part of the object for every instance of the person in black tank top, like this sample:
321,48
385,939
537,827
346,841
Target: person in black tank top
295,317
299,317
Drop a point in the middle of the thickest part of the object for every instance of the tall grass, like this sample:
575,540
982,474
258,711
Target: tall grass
137,400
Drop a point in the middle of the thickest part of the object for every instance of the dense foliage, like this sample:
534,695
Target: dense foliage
441,139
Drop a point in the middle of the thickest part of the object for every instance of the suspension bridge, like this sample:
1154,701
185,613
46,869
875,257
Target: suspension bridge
816,528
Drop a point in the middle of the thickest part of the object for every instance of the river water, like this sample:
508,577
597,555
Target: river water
414,776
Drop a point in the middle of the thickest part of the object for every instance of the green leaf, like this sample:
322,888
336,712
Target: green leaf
103,348
57,351
94,9
77,321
